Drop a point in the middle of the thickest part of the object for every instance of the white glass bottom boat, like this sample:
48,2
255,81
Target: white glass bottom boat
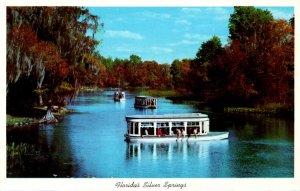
119,96
171,127
145,102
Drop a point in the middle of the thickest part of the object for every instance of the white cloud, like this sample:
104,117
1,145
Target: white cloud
280,14
217,13
157,49
184,43
183,22
217,10
157,15
192,10
202,38
124,34
197,36
123,49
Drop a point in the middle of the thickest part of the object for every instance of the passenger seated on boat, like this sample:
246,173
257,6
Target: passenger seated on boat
159,133
145,132
183,134
177,134
189,132
165,131
195,132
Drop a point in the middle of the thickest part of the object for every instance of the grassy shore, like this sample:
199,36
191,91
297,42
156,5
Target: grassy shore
20,121
270,109
16,121
89,89
159,93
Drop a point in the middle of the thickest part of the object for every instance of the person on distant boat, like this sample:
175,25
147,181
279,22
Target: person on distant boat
195,132
189,132
183,134
177,133
145,133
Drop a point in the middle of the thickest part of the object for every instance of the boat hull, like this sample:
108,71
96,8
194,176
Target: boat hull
209,137
121,99
145,106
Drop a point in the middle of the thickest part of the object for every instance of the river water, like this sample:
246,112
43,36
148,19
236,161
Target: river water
90,143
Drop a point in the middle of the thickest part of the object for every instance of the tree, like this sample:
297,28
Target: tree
49,46
246,23
275,74
176,73
292,22
209,50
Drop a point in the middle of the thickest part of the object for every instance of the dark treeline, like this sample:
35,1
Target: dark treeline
51,53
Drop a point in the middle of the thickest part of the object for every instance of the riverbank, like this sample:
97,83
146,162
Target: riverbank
13,121
18,121
159,93
89,89
274,111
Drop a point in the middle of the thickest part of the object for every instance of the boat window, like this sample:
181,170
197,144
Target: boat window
193,124
163,124
173,130
165,130
150,131
146,124
145,131
131,130
177,124
136,129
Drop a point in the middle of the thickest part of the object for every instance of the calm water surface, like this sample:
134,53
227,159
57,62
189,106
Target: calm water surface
90,143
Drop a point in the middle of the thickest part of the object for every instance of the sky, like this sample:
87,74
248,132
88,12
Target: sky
164,34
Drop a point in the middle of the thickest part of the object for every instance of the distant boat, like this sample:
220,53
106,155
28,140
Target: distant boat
170,127
119,96
145,102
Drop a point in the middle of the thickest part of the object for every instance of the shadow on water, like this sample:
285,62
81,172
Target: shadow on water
39,151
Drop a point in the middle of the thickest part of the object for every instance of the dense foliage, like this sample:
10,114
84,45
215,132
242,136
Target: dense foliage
255,68
133,72
49,54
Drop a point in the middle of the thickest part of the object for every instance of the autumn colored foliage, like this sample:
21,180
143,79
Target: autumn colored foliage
51,52
255,68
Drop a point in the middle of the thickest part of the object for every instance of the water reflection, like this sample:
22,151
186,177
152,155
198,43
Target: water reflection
120,104
201,149
75,147
142,111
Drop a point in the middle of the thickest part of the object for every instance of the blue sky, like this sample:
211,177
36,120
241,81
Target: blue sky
164,34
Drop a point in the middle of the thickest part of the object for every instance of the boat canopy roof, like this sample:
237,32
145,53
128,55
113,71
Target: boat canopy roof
144,97
168,116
